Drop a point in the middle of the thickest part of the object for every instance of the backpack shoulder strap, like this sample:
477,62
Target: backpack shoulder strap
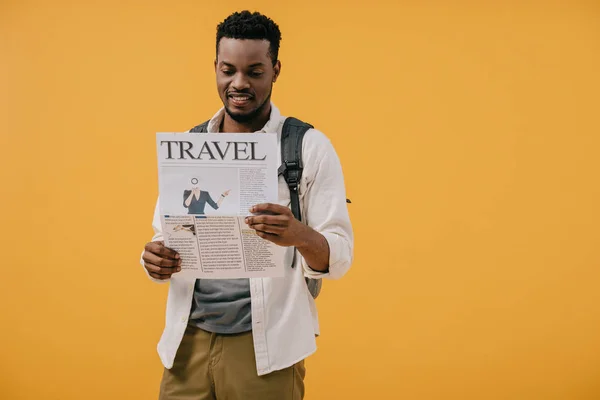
291,168
291,159
202,128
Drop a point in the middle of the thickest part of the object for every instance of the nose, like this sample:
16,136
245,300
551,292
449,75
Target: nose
240,82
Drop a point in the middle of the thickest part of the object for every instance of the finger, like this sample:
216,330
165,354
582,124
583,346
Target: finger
158,270
156,276
159,249
277,220
268,236
275,230
269,207
161,262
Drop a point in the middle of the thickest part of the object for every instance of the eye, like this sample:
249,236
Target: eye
227,72
256,74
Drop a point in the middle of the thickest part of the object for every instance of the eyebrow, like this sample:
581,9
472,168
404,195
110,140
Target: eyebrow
258,64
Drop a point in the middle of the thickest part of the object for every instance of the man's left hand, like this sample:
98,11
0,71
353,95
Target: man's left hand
277,224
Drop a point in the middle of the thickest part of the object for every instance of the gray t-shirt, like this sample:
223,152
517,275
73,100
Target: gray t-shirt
222,305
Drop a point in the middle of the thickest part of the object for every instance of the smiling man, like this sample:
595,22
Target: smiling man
248,338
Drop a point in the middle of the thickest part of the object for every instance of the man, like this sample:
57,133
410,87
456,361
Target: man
248,338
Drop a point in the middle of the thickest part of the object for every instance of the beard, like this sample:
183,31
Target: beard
248,117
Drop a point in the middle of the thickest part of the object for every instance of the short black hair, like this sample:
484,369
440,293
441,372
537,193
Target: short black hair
247,25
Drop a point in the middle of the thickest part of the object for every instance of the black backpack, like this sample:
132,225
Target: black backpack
291,168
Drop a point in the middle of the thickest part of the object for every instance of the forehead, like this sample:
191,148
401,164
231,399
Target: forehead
240,52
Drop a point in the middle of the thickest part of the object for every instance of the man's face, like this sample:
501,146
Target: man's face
245,76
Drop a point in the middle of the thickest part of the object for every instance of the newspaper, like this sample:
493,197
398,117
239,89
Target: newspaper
207,184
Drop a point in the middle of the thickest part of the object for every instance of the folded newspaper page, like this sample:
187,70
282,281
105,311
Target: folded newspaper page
207,184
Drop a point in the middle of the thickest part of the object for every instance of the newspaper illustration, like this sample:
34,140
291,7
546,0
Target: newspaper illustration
207,184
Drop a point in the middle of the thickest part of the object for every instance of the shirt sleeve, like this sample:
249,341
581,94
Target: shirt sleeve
325,207
158,236
211,202
186,194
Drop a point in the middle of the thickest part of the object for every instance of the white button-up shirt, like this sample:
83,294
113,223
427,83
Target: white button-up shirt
284,315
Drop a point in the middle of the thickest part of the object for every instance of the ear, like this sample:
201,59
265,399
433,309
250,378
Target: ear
215,65
276,70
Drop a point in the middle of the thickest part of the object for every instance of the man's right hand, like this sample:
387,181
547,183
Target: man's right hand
160,261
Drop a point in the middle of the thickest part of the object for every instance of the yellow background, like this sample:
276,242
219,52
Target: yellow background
469,137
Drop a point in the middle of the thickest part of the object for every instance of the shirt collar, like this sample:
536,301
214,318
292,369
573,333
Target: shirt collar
270,127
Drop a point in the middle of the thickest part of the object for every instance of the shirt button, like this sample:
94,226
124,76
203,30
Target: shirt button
183,319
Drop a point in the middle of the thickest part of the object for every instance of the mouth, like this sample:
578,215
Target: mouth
239,99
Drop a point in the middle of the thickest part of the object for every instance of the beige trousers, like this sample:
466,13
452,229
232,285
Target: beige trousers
210,366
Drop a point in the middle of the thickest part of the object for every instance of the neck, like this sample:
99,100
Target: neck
230,125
